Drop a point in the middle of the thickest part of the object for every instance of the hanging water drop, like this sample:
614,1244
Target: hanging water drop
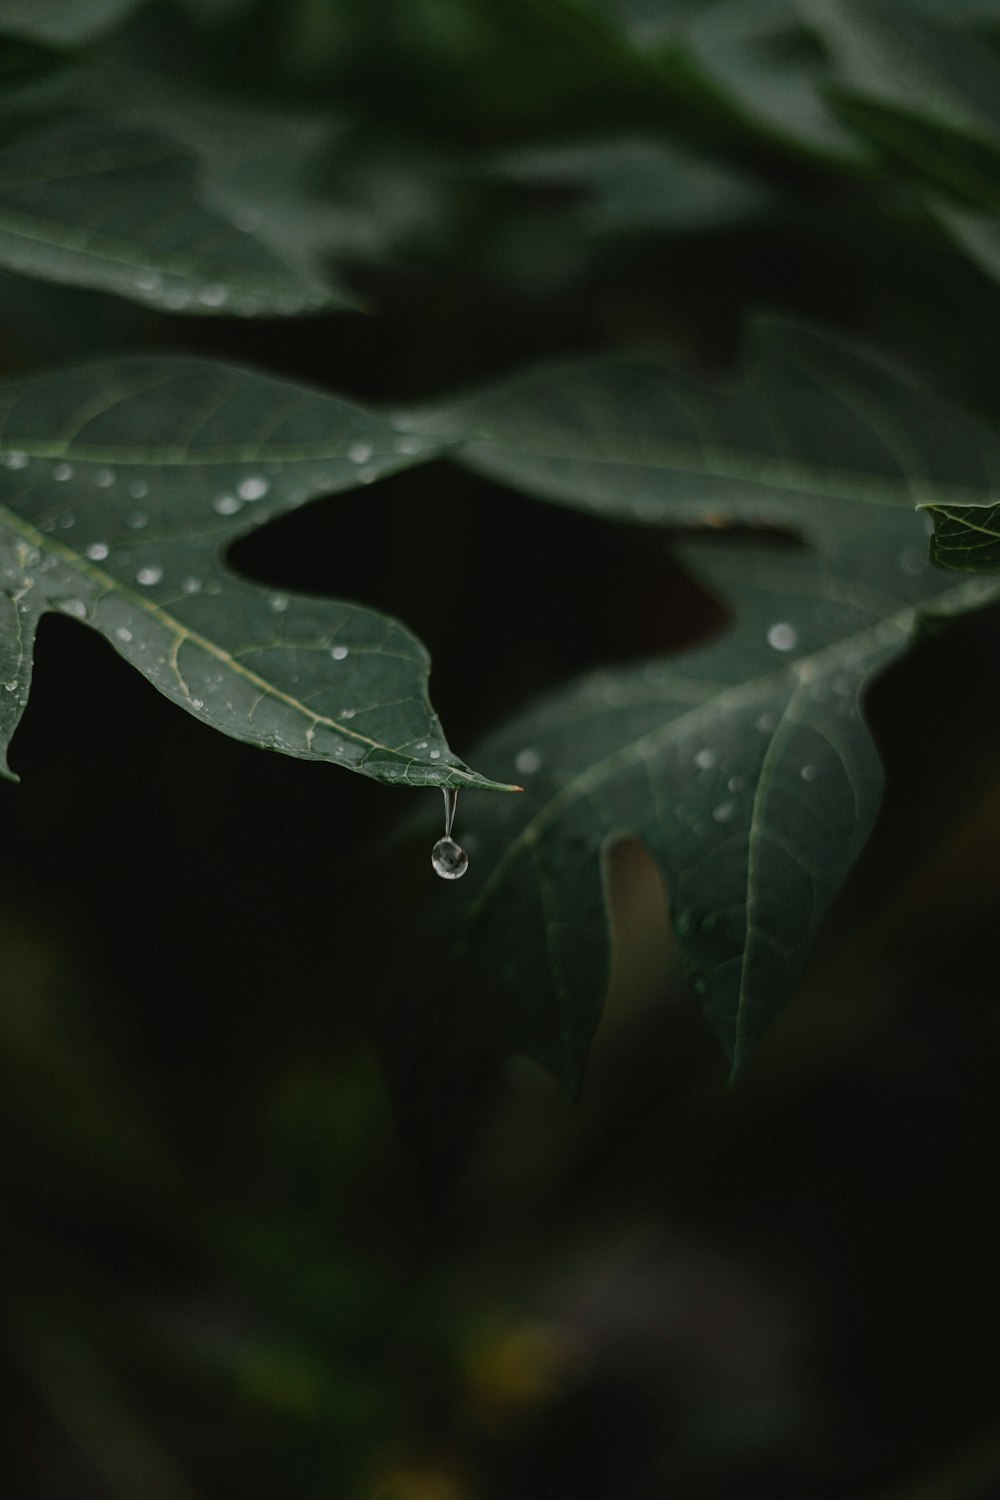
448,858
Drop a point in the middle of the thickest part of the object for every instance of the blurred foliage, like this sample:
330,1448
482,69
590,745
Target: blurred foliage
234,1265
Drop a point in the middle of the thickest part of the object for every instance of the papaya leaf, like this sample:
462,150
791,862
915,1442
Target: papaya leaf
807,420
120,210
122,484
966,538
746,769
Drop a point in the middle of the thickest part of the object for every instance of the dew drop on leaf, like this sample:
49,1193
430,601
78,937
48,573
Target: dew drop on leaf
226,505
782,636
149,576
359,453
138,488
338,653
62,471
97,551
253,488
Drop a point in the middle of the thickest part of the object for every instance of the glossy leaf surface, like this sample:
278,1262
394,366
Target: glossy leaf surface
123,484
746,769
809,419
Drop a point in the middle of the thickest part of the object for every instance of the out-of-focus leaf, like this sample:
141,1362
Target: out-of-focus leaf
122,485
757,59
255,163
746,769
906,57
640,187
93,206
808,418
61,22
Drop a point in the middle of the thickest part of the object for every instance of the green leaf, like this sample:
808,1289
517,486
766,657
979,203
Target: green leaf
745,768
753,56
900,55
256,164
640,187
119,210
122,485
809,417
966,538
61,22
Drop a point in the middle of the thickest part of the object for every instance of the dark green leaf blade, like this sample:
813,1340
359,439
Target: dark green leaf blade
810,418
966,538
91,205
747,770
122,485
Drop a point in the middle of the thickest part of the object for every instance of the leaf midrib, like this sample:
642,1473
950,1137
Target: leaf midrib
180,633
591,778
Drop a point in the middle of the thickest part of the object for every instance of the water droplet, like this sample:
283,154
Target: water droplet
62,471
705,759
123,633
213,295
338,653
782,636
74,607
527,761
104,478
808,773
136,520
723,812
278,602
149,281
13,686
97,551
348,713
149,576
197,703
765,723
17,460
736,783
449,860
912,561
435,755
227,505
253,488
190,585
368,476
359,453
408,445
138,489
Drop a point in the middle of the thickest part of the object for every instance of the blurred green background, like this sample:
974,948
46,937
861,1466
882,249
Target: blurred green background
234,1267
